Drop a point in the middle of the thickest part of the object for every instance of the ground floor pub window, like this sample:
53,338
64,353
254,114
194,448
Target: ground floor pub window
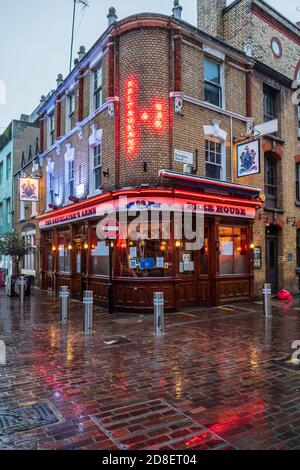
64,252
233,250
99,256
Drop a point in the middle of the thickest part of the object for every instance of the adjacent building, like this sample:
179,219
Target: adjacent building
19,137
273,42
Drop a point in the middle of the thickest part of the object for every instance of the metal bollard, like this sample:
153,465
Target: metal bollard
88,311
159,313
267,292
22,285
64,303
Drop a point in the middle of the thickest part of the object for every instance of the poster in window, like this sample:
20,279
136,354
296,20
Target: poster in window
29,189
226,248
248,158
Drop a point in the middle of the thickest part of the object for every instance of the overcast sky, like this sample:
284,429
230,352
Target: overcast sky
35,41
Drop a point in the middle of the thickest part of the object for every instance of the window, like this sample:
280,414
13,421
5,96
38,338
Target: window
1,214
51,129
71,178
64,253
22,210
270,181
98,88
298,182
270,103
8,166
29,259
213,159
233,250
213,82
72,105
50,189
97,178
298,249
1,172
298,119
99,256
8,210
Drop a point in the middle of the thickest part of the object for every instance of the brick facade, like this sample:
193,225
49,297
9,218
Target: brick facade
251,25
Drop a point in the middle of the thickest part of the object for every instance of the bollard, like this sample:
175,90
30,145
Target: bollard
64,303
159,313
267,292
88,311
22,285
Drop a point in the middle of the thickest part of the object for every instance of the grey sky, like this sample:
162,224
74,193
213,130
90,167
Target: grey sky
35,41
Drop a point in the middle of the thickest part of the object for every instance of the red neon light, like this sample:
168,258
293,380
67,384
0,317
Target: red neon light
131,100
159,116
210,197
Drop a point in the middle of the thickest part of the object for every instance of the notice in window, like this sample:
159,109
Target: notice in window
226,248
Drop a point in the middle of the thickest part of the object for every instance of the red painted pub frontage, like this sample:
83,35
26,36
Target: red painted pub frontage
221,271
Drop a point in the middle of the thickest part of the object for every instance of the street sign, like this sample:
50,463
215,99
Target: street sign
108,229
266,128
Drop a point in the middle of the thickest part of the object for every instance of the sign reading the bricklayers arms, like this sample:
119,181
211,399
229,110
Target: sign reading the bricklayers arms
248,158
29,189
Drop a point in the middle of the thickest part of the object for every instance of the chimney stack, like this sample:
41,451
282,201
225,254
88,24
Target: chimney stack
210,16
43,99
59,79
112,16
81,52
177,10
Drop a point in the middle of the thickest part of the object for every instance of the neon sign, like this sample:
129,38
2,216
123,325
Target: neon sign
153,116
132,139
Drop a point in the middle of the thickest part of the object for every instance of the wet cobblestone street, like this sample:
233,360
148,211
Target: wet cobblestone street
210,383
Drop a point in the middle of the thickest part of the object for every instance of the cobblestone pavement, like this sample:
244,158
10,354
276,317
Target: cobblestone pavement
210,383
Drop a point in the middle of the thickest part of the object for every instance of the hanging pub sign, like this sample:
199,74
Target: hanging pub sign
248,158
29,189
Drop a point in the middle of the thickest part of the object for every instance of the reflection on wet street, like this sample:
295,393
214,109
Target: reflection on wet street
210,383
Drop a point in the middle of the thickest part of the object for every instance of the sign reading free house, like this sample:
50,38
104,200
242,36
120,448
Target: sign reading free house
29,189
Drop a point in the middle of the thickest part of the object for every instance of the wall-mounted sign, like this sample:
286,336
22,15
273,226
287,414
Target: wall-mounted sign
257,257
248,158
183,157
29,189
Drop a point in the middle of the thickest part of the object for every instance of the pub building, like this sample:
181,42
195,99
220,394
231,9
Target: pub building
148,114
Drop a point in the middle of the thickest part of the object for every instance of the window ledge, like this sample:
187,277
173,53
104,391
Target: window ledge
297,203
270,209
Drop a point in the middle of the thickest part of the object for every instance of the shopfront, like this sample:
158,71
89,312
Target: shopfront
149,254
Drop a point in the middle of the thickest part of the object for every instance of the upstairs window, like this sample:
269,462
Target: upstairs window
97,167
8,166
298,249
1,214
213,159
51,129
72,107
71,186
1,172
270,103
8,210
298,182
213,82
97,88
271,181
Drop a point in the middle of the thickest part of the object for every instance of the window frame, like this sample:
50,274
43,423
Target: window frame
271,93
97,89
71,109
222,154
52,128
271,197
8,166
219,86
97,167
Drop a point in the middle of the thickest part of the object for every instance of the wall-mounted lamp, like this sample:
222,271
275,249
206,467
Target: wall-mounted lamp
178,243
86,246
291,221
54,249
252,246
106,173
70,247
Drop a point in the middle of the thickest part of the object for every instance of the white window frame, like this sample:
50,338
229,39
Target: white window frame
94,168
93,90
94,141
69,157
29,259
49,180
8,211
223,157
222,81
